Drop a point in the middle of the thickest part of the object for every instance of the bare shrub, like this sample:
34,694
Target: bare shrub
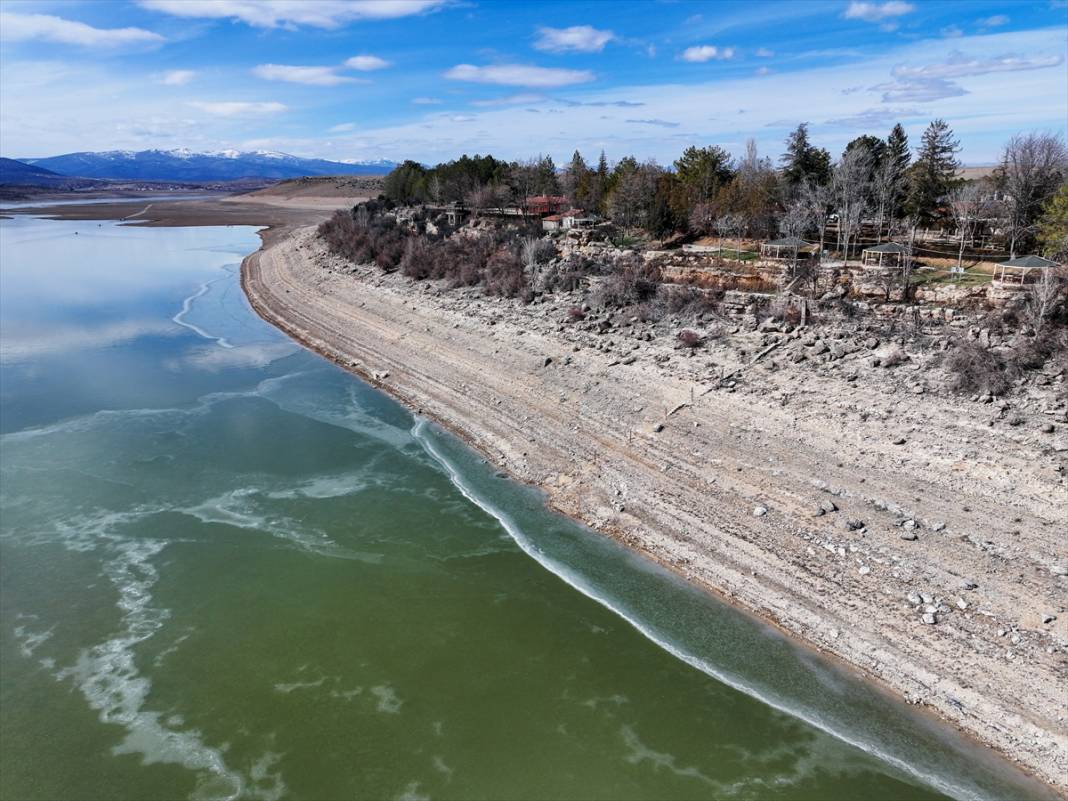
575,314
688,338
973,368
504,274
631,281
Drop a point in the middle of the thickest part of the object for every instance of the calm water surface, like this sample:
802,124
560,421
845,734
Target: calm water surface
230,570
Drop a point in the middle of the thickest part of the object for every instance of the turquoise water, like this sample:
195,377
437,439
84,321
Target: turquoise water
230,570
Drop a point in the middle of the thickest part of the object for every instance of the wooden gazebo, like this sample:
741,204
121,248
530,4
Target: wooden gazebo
888,254
786,248
1016,271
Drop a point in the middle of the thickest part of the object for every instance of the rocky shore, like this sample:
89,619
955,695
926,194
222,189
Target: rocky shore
819,477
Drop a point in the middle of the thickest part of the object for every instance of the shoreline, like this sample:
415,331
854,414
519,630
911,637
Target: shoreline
1038,745
807,625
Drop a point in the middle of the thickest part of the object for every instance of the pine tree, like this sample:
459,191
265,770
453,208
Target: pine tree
896,167
599,185
577,182
803,162
932,176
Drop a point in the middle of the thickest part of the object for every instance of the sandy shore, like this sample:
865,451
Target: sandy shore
648,452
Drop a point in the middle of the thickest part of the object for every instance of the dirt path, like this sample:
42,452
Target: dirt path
725,486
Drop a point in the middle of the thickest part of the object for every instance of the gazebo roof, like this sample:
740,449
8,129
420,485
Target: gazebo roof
887,247
787,242
1029,261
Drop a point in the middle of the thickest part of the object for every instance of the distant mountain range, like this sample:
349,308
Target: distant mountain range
182,165
17,172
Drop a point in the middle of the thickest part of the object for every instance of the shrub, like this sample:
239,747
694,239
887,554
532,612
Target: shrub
504,275
631,281
418,259
688,338
973,368
575,314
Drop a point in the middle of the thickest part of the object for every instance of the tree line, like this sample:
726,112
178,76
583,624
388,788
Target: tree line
876,185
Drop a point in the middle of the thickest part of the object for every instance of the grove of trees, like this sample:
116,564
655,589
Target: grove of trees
876,184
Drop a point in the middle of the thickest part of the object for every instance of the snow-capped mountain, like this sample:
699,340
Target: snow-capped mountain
183,164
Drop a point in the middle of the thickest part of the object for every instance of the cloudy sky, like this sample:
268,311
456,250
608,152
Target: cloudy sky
431,79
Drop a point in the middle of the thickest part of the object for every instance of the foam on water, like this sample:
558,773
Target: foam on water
108,678
812,717
187,306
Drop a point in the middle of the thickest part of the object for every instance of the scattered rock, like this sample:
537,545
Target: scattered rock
760,511
929,618
899,440
909,536
547,362
1048,618
658,428
852,524
828,506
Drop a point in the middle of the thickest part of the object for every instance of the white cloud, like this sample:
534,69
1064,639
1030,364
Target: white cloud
344,127
918,90
511,100
366,63
657,122
995,21
46,28
876,12
177,77
875,118
763,52
518,75
701,53
951,32
426,101
312,76
958,65
762,71
276,13
576,39
237,108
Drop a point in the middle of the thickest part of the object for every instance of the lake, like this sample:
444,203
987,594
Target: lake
231,570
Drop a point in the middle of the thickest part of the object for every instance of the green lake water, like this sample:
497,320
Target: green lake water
230,570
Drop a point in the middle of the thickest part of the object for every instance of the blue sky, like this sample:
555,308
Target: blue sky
431,79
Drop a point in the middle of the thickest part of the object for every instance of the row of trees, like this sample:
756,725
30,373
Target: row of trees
875,184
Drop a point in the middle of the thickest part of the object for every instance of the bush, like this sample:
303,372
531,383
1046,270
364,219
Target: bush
418,259
504,275
975,369
631,281
575,314
688,338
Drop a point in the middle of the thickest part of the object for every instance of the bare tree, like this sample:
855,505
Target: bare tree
1044,296
887,190
849,185
968,204
1032,167
793,224
727,224
629,203
819,199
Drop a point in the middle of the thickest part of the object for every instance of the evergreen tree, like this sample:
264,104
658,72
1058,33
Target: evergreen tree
803,162
702,171
599,185
932,176
577,180
896,163
1053,226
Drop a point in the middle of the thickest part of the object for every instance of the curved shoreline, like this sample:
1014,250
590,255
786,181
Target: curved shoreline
725,556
